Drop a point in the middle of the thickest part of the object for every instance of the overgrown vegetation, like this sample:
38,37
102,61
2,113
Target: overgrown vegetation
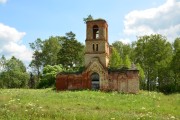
89,105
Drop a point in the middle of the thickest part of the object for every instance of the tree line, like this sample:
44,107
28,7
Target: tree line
157,60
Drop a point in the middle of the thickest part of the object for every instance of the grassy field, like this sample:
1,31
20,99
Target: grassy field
25,104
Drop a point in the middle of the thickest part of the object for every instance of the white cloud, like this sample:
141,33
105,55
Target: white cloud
10,44
3,1
164,20
125,41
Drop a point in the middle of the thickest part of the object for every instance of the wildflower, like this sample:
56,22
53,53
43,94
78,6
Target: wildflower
12,100
112,118
172,117
26,110
142,115
143,108
30,104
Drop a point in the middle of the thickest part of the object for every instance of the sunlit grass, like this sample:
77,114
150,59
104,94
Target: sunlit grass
22,104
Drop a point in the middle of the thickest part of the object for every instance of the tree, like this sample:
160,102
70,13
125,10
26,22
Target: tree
31,82
2,68
175,64
123,49
14,74
70,36
89,18
15,64
36,63
46,52
49,75
2,63
71,53
176,45
141,77
154,54
50,50
115,60
127,61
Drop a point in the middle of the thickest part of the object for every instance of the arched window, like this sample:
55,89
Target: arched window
95,32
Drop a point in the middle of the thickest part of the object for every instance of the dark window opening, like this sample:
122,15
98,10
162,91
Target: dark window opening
95,32
93,47
96,47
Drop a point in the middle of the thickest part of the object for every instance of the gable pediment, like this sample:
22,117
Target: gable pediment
95,66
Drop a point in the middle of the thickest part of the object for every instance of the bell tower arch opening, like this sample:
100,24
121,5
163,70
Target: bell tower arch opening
95,32
95,81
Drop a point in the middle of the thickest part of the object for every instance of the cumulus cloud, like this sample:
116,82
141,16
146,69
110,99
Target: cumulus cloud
10,44
125,40
3,1
164,20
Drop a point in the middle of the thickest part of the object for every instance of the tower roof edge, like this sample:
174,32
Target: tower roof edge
95,20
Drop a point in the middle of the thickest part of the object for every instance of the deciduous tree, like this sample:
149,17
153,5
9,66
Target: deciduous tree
14,74
175,64
36,63
50,50
154,54
71,53
127,61
122,49
115,60
49,75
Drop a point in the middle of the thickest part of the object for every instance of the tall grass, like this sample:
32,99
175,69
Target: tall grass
45,104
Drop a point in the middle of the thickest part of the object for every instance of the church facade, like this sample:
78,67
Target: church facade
96,75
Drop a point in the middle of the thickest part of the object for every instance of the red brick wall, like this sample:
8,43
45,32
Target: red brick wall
73,81
125,81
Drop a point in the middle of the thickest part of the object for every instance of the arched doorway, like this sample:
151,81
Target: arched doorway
95,81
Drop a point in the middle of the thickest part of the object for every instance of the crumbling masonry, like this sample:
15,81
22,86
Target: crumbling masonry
96,74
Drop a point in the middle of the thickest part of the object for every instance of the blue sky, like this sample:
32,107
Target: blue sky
23,21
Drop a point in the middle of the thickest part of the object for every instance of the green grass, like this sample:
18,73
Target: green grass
26,104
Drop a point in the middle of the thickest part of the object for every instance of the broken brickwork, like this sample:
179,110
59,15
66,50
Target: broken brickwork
96,74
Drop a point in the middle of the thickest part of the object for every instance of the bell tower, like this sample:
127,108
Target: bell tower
97,45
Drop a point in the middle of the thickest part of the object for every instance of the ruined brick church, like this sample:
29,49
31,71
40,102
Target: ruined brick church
96,75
